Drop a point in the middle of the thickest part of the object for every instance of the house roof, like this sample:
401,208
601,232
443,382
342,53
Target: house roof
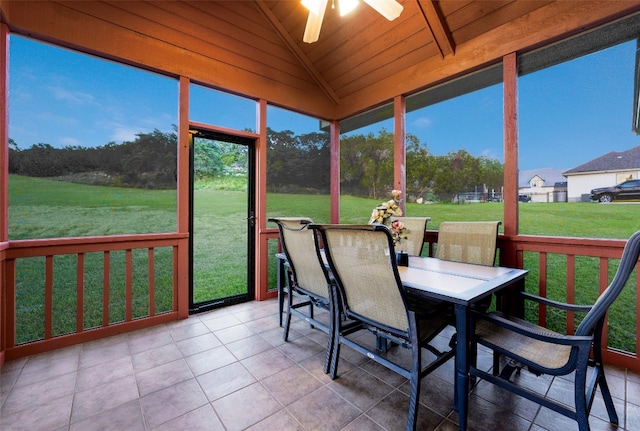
550,177
612,161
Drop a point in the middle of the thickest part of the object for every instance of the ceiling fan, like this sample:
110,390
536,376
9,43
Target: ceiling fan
390,9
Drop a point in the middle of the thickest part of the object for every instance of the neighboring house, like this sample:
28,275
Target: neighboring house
543,185
604,171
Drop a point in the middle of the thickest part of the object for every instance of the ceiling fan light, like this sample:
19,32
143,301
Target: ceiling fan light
347,6
314,23
390,9
314,6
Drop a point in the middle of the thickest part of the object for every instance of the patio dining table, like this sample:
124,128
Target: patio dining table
462,284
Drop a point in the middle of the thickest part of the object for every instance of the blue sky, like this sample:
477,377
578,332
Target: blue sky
568,114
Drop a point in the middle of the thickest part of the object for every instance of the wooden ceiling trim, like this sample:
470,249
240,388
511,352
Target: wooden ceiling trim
543,25
297,52
385,71
471,12
386,46
195,35
437,27
257,43
169,26
61,25
292,18
352,68
346,85
497,17
343,37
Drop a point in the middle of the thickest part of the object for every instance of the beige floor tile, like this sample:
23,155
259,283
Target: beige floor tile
224,381
163,376
46,416
246,407
172,402
42,393
230,369
291,384
103,397
210,360
201,419
127,416
324,410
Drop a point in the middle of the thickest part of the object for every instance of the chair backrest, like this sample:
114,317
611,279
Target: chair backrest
628,261
415,234
299,246
366,274
471,242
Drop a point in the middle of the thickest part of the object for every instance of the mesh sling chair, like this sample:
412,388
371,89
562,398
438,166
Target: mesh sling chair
415,234
469,242
542,351
306,278
368,289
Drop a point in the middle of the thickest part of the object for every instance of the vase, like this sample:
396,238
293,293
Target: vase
402,258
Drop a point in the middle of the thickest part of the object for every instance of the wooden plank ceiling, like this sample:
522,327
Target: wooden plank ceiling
362,48
255,48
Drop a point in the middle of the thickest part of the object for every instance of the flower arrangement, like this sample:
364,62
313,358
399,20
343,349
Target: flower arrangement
383,213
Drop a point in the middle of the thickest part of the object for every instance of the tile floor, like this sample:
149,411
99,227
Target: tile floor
229,369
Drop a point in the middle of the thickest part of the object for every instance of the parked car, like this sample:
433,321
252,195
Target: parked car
524,198
625,191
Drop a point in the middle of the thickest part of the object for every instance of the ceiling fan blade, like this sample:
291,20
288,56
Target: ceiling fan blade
390,9
314,23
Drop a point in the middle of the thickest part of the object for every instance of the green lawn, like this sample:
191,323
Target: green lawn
40,208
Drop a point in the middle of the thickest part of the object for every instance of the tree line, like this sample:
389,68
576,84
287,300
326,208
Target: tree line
299,163
295,164
149,161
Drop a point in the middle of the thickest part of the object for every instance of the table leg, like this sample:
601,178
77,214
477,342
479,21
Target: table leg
280,280
461,377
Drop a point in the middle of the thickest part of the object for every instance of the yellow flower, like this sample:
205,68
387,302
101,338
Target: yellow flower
382,215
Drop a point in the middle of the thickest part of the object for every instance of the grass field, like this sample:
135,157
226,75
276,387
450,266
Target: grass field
41,208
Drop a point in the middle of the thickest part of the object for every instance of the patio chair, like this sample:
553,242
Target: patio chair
415,234
306,278
368,289
470,242
543,351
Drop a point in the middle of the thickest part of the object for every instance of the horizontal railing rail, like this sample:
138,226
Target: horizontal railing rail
603,252
112,254
540,249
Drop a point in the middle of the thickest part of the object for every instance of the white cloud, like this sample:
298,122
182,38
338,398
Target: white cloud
123,133
72,96
58,120
69,142
490,153
421,122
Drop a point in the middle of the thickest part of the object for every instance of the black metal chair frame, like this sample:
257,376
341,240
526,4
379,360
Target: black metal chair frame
411,338
586,346
309,298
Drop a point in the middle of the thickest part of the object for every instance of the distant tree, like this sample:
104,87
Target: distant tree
421,168
298,163
147,161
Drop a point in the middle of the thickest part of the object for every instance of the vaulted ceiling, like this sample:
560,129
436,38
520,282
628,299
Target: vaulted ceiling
362,48
255,48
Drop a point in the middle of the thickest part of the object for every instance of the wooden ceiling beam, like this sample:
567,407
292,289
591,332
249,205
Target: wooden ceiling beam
437,27
297,52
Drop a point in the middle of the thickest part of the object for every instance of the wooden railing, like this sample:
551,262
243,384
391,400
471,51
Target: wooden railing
605,253
512,249
104,248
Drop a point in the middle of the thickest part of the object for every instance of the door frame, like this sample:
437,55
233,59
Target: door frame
251,144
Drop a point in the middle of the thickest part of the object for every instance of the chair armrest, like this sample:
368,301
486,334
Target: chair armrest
533,331
556,304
